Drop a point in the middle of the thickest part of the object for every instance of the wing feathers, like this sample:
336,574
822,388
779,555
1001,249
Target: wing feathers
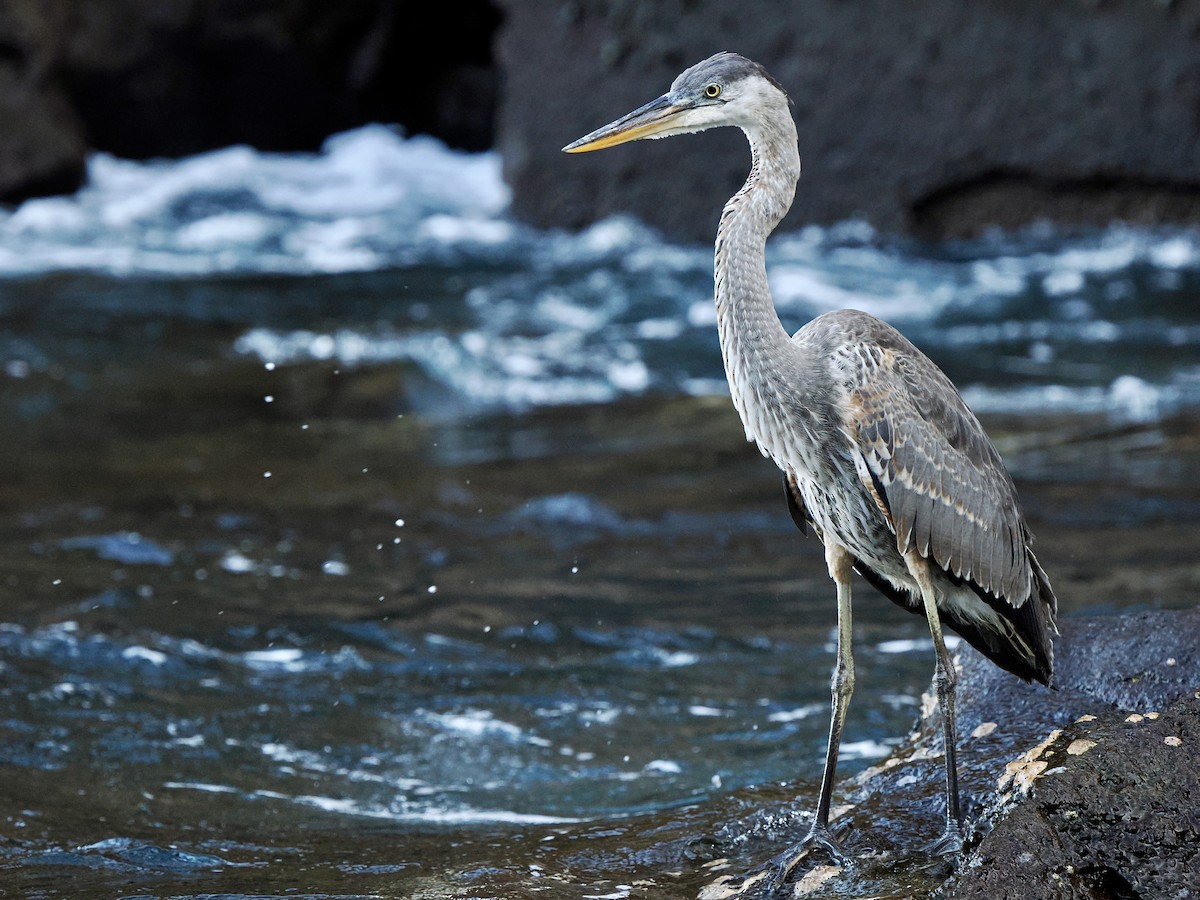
944,485
939,483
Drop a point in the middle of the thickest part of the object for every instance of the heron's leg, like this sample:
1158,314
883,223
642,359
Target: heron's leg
842,684
944,680
841,564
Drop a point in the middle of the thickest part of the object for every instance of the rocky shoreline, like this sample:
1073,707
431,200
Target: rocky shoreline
165,78
1087,790
937,120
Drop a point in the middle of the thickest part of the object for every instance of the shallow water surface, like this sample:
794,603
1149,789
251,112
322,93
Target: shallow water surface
448,572
333,646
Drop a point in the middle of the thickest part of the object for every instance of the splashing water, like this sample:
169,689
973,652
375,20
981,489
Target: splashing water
517,319
314,578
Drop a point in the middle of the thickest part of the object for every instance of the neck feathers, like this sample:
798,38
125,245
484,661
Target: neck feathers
754,344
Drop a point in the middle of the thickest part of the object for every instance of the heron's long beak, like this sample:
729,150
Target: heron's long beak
647,121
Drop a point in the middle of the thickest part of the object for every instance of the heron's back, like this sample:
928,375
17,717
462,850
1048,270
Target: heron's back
906,465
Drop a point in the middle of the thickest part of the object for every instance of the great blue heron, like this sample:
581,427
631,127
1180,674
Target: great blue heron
879,452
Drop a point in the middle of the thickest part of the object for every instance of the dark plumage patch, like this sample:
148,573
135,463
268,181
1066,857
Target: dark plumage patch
795,504
996,647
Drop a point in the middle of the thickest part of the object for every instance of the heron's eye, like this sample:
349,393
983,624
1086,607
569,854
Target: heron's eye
712,91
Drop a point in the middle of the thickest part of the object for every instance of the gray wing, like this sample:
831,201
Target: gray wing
931,467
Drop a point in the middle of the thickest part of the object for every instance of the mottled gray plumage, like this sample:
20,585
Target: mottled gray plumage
940,486
879,452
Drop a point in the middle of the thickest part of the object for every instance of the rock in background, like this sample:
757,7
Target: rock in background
164,78
936,116
933,117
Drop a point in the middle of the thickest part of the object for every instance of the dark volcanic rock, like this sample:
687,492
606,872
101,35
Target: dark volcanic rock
1088,790
934,117
1114,813
146,78
41,141
1109,804
938,116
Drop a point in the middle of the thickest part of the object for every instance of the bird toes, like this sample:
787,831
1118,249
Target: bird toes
950,843
780,867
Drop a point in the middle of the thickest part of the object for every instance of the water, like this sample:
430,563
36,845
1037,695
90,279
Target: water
502,318
361,542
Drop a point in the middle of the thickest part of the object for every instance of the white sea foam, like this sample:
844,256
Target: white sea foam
155,657
663,766
407,812
200,786
1127,398
288,659
904,645
361,203
614,310
867,749
474,723
795,715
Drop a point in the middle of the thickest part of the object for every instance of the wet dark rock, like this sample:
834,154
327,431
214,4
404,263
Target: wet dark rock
1116,813
939,118
142,856
1108,804
42,142
148,78
1088,790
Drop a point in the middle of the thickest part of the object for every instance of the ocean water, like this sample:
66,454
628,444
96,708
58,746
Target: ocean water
517,319
362,541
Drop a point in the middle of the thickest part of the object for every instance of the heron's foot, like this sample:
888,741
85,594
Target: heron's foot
780,868
950,843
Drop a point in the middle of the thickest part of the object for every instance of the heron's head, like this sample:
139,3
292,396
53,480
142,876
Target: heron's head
725,89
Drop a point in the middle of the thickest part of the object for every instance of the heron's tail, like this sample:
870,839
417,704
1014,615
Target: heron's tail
1022,643
1024,647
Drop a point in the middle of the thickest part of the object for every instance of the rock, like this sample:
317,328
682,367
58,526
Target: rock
1112,809
1088,790
1107,805
41,146
939,119
149,78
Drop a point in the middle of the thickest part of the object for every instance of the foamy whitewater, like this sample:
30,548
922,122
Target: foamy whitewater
1034,323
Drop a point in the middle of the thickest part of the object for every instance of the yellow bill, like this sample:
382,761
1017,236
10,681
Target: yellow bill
656,119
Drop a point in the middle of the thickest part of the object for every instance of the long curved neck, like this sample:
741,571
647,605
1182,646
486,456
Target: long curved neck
754,344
